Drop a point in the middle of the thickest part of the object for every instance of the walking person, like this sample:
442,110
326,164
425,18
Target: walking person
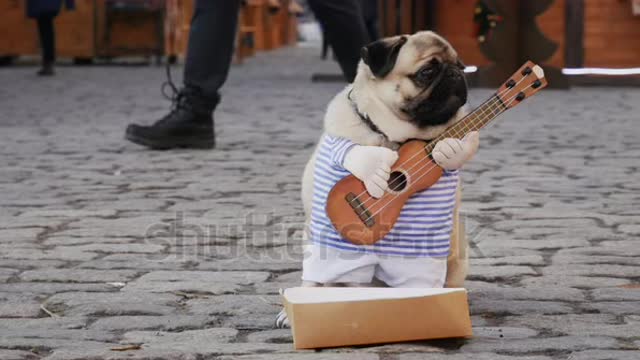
371,19
189,123
44,12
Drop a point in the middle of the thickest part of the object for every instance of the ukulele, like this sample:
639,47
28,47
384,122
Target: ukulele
363,219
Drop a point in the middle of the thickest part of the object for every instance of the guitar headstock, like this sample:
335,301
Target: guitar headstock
528,80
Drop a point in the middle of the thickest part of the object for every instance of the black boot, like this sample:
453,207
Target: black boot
46,70
189,124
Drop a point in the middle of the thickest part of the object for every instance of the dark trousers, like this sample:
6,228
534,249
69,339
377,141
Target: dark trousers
47,38
211,40
370,15
344,29
213,29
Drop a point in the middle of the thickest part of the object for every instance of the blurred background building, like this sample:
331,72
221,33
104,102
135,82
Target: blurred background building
592,40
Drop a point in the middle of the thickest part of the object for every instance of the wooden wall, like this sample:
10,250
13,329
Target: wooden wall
18,34
454,20
88,32
129,33
177,25
79,33
552,24
75,31
611,34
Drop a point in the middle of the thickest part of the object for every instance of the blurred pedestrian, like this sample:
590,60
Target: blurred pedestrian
371,20
189,124
370,17
45,11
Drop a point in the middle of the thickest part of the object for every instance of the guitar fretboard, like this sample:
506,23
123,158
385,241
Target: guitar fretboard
475,120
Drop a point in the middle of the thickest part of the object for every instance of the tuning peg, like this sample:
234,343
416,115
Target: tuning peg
538,71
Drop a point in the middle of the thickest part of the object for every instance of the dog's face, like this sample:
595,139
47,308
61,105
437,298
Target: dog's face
419,77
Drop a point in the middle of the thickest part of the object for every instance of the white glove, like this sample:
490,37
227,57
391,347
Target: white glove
452,153
372,165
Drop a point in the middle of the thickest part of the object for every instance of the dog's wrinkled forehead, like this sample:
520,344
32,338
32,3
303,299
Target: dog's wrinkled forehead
424,46
401,54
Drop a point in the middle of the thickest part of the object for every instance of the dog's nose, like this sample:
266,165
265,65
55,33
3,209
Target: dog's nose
453,73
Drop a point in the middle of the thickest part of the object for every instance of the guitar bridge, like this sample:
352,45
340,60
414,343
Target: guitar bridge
363,213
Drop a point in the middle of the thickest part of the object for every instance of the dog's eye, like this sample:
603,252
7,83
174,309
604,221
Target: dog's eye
426,72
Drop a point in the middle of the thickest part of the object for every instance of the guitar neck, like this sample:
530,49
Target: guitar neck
475,120
524,83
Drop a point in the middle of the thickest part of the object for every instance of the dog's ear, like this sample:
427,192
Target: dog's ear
381,55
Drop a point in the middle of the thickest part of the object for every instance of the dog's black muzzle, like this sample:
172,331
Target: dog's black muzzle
448,94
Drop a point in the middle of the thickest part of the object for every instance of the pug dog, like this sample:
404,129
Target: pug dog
407,87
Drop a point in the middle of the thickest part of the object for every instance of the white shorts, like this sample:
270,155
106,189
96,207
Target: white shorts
323,264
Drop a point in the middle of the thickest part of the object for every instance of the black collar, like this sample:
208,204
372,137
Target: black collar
364,117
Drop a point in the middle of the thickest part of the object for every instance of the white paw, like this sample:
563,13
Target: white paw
451,153
372,165
282,321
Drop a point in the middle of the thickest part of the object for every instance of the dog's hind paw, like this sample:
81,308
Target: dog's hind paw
282,321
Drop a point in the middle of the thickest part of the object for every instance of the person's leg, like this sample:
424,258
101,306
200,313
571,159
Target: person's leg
370,14
344,27
211,43
47,43
190,122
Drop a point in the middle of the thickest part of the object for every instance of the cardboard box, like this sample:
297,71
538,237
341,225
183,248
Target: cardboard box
331,317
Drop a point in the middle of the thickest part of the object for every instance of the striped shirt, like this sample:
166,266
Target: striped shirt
423,228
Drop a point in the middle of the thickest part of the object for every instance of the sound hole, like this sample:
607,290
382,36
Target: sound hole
397,181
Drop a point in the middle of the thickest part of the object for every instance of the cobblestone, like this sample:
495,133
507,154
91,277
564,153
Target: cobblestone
614,307
563,343
17,355
74,275
112,303
605,355
195,281
476,356
586,282
165,323
580,325
105,246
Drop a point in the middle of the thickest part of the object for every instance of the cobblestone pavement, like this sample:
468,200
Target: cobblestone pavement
105,246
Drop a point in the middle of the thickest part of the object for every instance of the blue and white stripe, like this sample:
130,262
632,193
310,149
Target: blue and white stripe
422,229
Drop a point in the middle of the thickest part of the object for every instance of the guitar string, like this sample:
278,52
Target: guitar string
453,131
510,101
446,132
417,172
433,166
461,126
456,131
493,101
468,126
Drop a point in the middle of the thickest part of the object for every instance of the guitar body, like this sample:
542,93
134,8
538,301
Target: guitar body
363,219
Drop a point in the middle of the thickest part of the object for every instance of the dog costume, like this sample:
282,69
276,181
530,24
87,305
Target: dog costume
412,254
